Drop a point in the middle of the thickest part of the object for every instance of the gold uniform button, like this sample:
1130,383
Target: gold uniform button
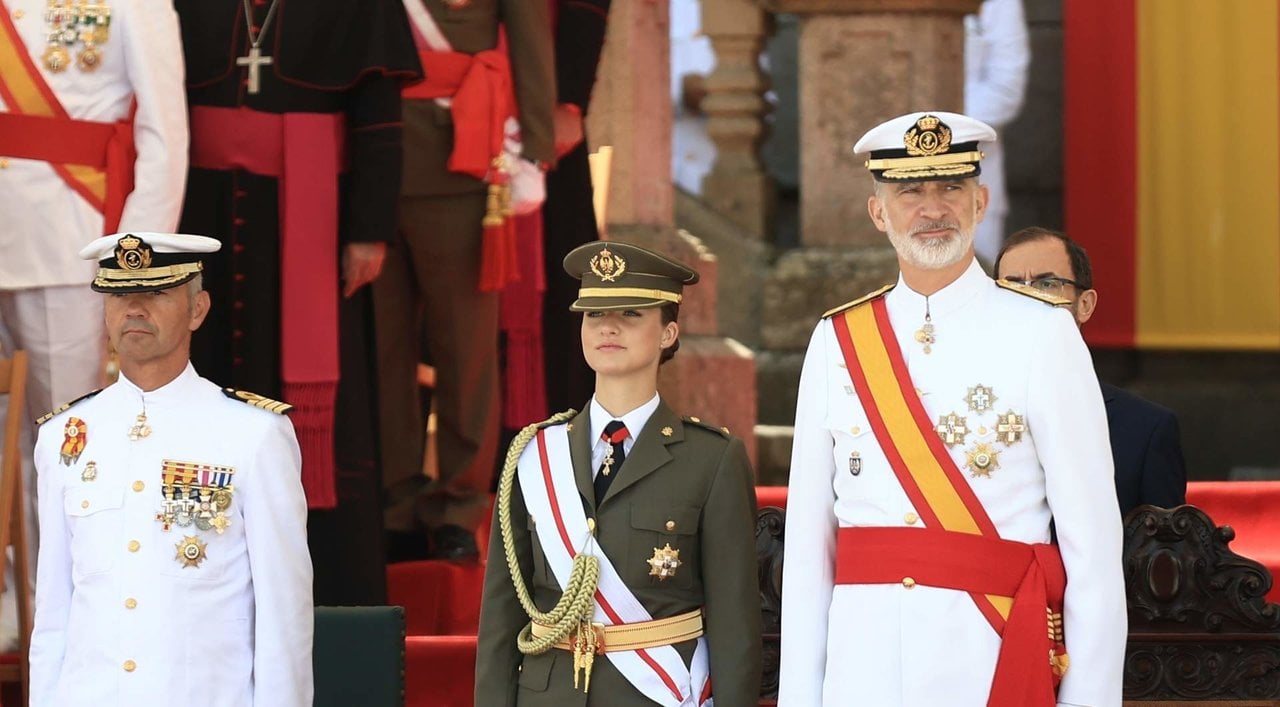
911,518
84,503
130,666
138,486
591,524
130,603
908,582
134,545
671,525
4,163
19,14
855,430
694,419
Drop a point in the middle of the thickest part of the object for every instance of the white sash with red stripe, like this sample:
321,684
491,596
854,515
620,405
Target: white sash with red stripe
551,495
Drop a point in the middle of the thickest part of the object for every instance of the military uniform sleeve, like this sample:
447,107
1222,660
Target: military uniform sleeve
730,581
809,570
580,29
153,52
995,97
1164,474
528,25
375,154
53,577
275,530
1068,421
501,616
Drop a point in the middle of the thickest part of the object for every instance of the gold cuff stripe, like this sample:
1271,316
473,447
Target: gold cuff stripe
629,292
934,161
179,270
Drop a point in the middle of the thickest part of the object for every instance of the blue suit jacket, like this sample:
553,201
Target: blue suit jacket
1147,451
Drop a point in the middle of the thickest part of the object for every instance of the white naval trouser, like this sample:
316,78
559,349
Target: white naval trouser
62,331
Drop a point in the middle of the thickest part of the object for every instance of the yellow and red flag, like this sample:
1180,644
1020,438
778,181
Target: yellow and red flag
1172,169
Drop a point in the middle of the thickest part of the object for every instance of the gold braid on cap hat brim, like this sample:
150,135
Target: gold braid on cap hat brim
571,616
595,292
147,277
932,161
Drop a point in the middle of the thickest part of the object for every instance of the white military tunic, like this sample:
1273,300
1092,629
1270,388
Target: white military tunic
119,620
887,645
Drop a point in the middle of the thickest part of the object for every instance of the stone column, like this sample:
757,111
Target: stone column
862,62
737,186
712,377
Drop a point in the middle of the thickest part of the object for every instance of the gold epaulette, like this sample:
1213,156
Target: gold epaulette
64,407
257,401
1033,293
722,431
861,300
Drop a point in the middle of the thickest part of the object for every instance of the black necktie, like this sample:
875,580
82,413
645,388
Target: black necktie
614,433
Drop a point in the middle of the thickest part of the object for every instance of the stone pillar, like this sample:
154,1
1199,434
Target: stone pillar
862,62
712,377
631,110
737,186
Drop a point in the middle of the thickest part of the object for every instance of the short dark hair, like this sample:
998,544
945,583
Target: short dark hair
670,313
1081,269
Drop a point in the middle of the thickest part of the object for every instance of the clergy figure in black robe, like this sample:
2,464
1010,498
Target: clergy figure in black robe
568,216
296,168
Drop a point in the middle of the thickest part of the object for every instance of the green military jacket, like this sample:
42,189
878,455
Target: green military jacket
471,26
693,489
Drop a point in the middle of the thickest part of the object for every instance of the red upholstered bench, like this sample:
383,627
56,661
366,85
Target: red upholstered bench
439,671
1252,509
771,496
439,598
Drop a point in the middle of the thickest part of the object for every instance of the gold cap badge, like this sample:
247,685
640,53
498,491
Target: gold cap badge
607,266
930,136
132,253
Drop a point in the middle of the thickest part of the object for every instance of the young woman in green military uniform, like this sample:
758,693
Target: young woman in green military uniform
622,567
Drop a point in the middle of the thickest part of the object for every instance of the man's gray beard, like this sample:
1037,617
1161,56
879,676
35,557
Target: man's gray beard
932,253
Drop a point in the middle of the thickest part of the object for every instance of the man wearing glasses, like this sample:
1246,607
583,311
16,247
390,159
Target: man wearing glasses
1144,436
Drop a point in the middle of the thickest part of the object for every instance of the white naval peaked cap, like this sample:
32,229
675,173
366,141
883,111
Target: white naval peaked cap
142,262
925,145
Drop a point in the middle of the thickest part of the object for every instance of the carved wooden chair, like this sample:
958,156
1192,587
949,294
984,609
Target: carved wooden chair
13,382
1200,632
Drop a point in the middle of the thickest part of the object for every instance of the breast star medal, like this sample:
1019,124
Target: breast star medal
981,460
74,437
952,429
1010,427
664,563
980,398
191,551
90,472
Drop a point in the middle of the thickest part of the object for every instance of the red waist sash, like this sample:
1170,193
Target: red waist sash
1032,574
479,87
304,152
64,141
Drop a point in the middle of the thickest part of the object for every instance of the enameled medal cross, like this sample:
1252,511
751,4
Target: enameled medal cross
255,61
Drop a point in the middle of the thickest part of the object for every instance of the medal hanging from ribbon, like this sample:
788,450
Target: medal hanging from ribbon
195,494
75,22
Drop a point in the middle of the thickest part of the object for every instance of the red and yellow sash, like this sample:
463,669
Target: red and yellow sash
928,474
35,125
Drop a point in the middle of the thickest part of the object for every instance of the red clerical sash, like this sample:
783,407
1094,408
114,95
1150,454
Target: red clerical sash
94,159
1017,586
304,152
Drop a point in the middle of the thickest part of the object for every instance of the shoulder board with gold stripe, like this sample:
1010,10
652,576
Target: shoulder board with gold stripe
861,300
257,401
722,431
64,407
1033,293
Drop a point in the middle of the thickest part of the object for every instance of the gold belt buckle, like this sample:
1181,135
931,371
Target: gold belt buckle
598,629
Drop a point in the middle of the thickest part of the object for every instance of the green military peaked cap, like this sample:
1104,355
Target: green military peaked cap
618,275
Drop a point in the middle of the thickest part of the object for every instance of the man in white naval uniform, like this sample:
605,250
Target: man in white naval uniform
173,553
919,525
81,94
